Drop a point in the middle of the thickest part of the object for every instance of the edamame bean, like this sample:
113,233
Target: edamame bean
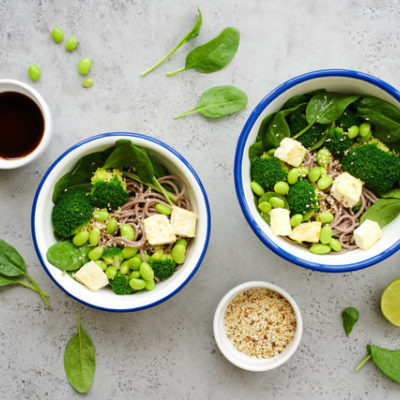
314,174
296,220
84,66
94,236
111,226
325,217
150,285
293,176
182,241
178,253
57,34
281,188
101,215
323,157
276,202
335,244
137,284
271,152
34,72
102,264
365,129
71,43
163,209
134,275
124,268
146,271
265,207
319,248
146,257
96,253
303,171
127,232
324,182
323,171
257,188
111,272
80,238
325,234
134,263
129,252
353,131
87,83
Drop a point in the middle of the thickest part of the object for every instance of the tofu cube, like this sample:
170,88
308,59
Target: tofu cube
347,189
159,230
92,276
307,232
367,234
280,222
183,222
291,152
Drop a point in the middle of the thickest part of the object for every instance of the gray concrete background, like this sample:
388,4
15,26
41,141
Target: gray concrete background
168,352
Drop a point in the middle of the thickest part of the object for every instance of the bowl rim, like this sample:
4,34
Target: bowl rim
347,73
130,135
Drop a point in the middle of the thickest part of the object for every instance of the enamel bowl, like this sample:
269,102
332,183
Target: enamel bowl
345,81
105,299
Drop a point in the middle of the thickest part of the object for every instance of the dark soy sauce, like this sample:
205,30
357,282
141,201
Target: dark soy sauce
21,125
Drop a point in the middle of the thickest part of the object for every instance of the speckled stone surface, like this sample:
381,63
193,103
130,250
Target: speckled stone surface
168,352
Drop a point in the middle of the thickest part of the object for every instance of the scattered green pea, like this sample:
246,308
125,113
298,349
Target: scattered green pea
323,157
257,188
124,268
178,253
34,72
134,275
314,174
319,248
296,220
129,252
127,231
325,234
84,66
281,188
303,171
102,264
94,236
111,226
80,238
146,271
150,285
71,43
335,244
57,34
365,129
87,83
324,182
101,215
276,202
111,272
96,253
353,131
163,209
134,263
325,217
293,176
265,207
137,284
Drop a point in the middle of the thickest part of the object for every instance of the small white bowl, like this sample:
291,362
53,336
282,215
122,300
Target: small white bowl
11,85
240,359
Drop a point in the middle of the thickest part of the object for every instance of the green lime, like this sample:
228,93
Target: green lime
390,302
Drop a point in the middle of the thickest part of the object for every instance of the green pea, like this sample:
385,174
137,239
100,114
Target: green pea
182,241
124,268
323,157
257,188
71,44
265,207
353,131
101,215
324,182
281,188
314,174
80,238
111,272
335,244
111,226
127,231
303,171
178,253
134,275
87,83
293,176
129,252
102,264
319,248
276,202
146,271
163,209
34,72
325,217
325,234
96,253
57,34
134,263
94,236
84,66
296,220
150,284
365,129
137,284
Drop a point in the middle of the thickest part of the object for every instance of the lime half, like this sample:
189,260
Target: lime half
390,302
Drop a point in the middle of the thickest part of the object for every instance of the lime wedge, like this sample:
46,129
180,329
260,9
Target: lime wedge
390,302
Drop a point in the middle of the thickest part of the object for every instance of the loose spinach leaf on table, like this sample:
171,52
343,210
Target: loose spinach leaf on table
218,102
193,33
383,211
277,129
65,256
213,55
79,360
350,316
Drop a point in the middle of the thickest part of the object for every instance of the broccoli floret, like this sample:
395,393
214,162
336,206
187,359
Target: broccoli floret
71,211
348,119
357,207
307,139
268,171
120,285
378,169
297,122
162,264
337,142
379,144
303,198
113,256
109,189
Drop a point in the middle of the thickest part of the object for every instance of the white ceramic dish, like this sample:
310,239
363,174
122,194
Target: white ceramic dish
240,359
344,81
105,299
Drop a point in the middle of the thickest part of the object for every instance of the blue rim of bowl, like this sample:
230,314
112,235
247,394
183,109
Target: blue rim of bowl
239,159
150,139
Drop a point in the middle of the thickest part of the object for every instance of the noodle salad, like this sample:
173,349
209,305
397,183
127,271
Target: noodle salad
325,170
121,220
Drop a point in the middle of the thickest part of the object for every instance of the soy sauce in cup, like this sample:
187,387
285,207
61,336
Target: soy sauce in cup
21,125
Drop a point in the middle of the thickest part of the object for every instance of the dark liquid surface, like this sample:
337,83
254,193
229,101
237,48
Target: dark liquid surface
21,125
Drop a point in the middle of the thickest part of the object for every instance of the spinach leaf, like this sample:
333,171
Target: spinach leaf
350,316
218,102
5,281
277,129
193,33
263,127
325,108
255,150
383,211
65,256
301,98
213,55
392,194
79,360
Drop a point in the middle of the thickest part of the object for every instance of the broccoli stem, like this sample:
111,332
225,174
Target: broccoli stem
364,360
304,130
42,294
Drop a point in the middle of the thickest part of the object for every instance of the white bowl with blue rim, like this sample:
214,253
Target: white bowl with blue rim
43,237
338,80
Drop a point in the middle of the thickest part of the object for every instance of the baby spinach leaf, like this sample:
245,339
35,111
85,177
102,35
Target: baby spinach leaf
392,194
383,211
193,33
5,281
277,129
65,256
301,98
213,55
218,102
263,127
255,150
327,107
79,360
350,316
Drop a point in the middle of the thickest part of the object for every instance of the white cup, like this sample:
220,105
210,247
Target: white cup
10,85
